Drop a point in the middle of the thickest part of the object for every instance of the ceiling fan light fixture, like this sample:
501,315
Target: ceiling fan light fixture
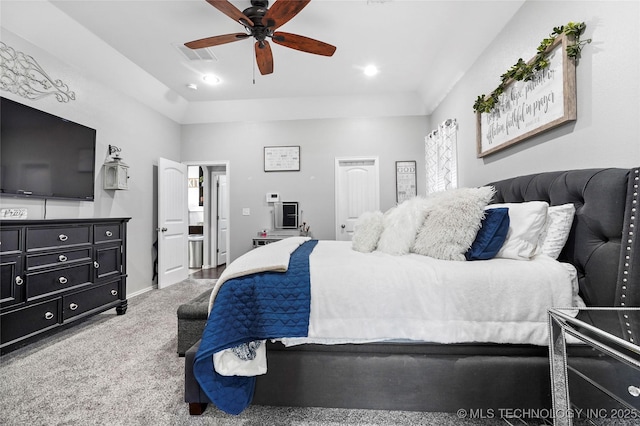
211,79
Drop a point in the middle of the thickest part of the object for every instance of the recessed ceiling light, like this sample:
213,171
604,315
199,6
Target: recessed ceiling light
192,86
370,70
211,79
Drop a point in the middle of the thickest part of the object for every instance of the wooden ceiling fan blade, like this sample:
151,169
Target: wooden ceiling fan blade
231,11
282,11
304,44
264,57
216,40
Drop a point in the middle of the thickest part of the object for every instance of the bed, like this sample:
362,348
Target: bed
464,372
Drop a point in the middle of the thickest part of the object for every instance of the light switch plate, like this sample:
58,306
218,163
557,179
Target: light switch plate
246,211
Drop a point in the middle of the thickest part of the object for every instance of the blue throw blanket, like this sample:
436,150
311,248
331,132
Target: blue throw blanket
266,305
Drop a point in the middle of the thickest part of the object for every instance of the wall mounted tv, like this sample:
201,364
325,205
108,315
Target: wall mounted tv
44,156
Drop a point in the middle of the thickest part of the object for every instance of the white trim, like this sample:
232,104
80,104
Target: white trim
143,291
207,234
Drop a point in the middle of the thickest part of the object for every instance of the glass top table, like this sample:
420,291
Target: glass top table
606,386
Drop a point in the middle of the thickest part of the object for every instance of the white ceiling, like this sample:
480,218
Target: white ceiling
422,47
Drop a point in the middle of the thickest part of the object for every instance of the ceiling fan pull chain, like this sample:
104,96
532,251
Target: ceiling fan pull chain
253,68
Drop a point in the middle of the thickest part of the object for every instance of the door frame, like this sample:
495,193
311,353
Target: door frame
209,228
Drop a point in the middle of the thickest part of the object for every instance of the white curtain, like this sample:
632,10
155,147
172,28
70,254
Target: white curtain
441,158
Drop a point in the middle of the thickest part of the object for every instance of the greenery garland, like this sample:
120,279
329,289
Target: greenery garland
523,71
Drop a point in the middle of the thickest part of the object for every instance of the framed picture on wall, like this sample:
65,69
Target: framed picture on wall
281,158
528,108
406,183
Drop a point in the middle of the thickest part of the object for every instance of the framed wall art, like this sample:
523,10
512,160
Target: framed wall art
406,184
281,158
527,108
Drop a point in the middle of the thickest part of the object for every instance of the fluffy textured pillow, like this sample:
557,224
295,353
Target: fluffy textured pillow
452,222
526,221
556,230
367,231
491,235
401,224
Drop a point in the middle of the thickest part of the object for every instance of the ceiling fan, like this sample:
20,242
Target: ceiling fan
261,22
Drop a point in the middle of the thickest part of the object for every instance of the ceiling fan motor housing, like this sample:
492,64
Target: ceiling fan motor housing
256,12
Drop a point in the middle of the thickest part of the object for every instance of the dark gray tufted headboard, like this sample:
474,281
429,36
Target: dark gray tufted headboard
603,244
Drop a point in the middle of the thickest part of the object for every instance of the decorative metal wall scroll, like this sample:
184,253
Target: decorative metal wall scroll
22,75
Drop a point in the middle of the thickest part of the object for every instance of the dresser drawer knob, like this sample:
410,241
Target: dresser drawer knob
73,306
62,280
19,280
96,265
109,234
48,316
634,391
62,258
114,292
63,237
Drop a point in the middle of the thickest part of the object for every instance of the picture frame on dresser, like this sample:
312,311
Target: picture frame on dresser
56,272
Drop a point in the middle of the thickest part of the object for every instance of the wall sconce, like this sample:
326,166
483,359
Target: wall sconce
116,173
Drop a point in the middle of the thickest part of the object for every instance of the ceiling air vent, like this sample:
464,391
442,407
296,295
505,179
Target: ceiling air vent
195,54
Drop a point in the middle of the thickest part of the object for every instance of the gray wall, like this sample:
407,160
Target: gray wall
321,141
606,133
141,133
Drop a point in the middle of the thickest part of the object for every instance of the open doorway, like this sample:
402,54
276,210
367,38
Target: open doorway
209,230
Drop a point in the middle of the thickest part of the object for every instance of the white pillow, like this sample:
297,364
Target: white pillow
526,221
556,229
401,224
452,222
367,231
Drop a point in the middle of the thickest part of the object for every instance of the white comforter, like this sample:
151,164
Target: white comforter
357,297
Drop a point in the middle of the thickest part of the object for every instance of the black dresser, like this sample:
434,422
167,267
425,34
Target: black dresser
54,272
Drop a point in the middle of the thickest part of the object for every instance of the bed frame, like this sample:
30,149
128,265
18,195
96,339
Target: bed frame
446,377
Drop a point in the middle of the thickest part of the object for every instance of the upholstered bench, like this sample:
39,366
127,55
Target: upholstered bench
192,318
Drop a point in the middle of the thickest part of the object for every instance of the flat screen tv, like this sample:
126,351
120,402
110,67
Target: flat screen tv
44,156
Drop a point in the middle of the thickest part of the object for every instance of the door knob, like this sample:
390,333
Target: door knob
161,229
343,226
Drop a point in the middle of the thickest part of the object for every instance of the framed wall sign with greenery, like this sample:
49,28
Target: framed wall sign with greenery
528,106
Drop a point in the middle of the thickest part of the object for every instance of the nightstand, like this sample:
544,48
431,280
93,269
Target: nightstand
610,392
271,238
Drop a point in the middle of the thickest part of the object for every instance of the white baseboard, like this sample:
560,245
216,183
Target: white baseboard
139,292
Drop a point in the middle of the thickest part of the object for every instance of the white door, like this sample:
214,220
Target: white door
223,218
173,223
357,191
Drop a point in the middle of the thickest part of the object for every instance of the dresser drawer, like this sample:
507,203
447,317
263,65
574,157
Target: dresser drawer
10,240
25,321
64,257
62,236
106,232
56,280
86,300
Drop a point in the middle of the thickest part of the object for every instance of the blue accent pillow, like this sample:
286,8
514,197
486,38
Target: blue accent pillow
491,235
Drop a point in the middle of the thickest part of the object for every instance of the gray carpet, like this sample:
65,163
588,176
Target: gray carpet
124,370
